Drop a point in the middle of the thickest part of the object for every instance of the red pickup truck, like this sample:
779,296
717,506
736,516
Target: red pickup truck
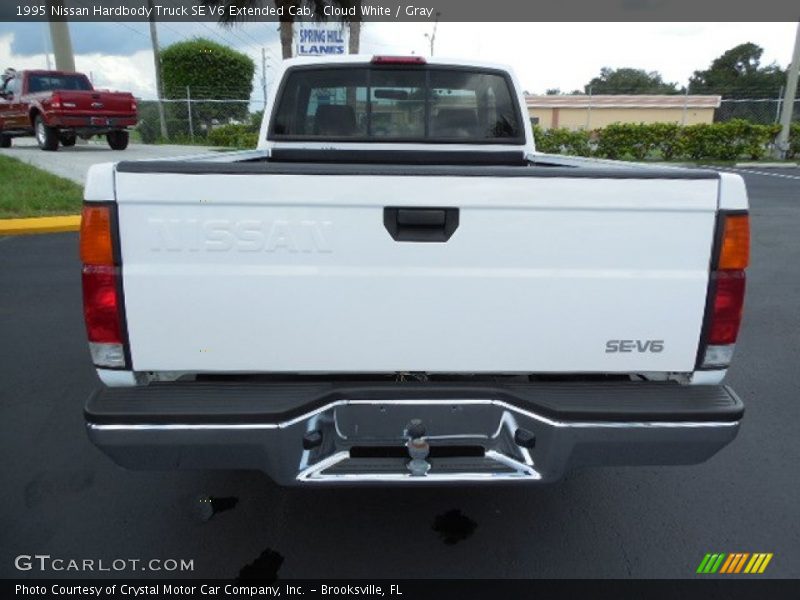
57,107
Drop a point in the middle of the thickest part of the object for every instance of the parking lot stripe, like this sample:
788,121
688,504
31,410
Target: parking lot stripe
765,173
39,225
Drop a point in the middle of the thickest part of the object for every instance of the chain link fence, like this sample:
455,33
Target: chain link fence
763,111
193,117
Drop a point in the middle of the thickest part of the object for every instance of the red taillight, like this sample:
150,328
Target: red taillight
398,60
726,291
55,101
101,306
727,306
133,105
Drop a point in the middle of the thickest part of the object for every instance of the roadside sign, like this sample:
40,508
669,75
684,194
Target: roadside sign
320,39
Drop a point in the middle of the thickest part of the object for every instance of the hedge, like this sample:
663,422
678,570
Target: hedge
230,135
149,127
726,141
233,136
794,141
562,141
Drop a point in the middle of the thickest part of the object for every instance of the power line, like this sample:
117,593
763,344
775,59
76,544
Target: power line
144,35
172,29
121,24
244,32
271,31
204,24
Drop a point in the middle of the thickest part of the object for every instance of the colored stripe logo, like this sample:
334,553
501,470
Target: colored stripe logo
736,562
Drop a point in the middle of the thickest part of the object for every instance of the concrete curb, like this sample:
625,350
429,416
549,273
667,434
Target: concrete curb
39,225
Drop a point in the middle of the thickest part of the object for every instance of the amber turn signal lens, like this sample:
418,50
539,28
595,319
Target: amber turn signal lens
96,245
735,253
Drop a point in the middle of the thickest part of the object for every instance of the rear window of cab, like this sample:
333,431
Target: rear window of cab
396,104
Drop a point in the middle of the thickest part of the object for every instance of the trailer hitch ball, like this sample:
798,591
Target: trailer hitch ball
418,448
524,438
415,429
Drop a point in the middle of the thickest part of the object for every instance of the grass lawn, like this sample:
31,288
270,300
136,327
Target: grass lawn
26,191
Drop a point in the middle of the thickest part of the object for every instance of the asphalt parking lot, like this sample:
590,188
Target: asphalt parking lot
73,163
62,497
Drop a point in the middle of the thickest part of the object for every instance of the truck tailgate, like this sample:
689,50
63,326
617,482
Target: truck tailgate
297,272
95,103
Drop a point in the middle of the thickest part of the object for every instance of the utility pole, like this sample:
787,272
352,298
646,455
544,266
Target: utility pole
157,64
788,98
46,49
264,74
189,111
62,44
589,110
432,36
685,105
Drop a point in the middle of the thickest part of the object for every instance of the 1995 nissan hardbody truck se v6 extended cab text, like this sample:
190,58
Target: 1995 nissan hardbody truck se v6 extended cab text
396,287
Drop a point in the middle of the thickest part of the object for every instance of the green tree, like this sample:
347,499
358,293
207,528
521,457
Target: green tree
738,73
211,71
630,81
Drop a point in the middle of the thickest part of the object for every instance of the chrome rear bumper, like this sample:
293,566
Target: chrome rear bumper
359,435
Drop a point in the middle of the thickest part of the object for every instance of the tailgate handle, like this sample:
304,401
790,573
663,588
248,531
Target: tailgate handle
420,224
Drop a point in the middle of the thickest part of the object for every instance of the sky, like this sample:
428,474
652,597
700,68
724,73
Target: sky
544,55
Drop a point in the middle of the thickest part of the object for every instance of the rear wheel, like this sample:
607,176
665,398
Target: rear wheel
46,137
5,141
118,140
68,139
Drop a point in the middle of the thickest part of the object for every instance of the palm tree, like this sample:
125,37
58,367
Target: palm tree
355,29
287,20
286,25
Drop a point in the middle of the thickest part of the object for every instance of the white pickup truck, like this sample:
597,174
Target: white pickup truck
396,287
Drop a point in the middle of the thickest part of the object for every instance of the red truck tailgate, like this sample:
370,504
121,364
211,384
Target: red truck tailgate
95,103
